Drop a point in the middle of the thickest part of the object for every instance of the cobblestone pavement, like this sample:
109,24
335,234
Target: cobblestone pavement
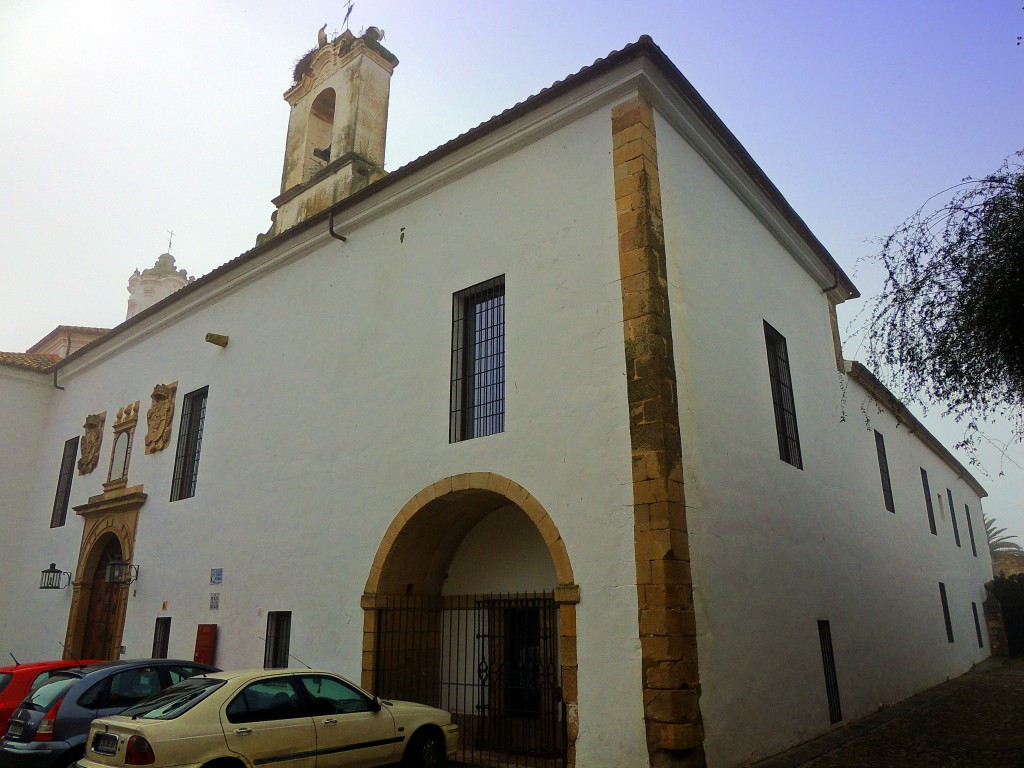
974,721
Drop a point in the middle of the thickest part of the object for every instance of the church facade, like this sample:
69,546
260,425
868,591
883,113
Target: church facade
550,427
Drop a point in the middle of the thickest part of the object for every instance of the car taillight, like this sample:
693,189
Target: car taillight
138,752
45,730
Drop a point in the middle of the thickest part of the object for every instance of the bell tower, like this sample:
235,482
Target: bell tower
337,126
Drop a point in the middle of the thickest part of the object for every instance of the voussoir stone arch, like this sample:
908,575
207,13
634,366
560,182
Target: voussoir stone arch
457,503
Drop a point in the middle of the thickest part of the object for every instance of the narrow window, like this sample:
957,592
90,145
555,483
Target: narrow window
63,495
190,443
883,471
977,624
782,397
945,612
952,516
161,637
279,630
828,660
928,502
478,361
970,530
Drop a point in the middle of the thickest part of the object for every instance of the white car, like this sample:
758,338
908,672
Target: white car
289,718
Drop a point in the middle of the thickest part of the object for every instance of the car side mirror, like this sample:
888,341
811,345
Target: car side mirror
375,704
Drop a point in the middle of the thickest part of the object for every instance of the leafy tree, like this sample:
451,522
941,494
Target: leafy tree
948,326
998,539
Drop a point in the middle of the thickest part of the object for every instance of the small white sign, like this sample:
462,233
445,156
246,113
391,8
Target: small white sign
216,575
214,601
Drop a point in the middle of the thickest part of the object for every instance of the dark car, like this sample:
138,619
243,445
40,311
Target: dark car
48,730
17,681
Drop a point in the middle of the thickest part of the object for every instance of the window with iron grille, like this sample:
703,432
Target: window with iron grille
977,624
190,443
928,502
782,397
945,612
828,660
952,516
67,472
161,637
883,471
970,530
279,631
478,361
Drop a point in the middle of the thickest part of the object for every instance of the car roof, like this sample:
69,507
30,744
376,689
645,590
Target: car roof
38,666
97,670
241,675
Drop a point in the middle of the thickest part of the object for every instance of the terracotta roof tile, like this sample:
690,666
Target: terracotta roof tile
28,361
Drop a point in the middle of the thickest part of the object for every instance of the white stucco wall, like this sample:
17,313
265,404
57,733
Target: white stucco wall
776,548
24,399
328,411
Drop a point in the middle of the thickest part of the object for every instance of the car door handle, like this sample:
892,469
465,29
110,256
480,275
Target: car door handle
243,731
330,721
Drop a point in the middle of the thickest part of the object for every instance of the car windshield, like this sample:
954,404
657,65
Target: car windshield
42,698
174,701
4,680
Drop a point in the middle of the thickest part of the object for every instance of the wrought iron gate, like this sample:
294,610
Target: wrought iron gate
490,660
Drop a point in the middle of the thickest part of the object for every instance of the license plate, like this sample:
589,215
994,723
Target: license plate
15,729
105,743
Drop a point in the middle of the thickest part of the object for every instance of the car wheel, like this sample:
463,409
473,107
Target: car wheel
426,750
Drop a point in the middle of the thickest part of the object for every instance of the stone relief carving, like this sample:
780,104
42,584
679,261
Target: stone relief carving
160,416
124,430
91,441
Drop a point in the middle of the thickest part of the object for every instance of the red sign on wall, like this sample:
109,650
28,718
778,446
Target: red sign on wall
206,643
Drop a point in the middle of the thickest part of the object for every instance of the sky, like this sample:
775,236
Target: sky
123,120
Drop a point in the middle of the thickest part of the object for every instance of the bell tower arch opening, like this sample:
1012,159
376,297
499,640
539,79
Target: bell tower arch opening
471,606
319,133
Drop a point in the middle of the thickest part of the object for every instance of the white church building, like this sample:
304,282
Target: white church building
550,427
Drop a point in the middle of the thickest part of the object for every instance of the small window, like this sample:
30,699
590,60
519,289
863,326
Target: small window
478,361
828,660
190,443
161,637
945,612
970,530
883,471
952,516
928,502
120,456
977,624
782,397
279,630
63,495
265,700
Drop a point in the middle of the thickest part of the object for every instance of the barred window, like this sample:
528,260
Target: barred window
945,612
970,530
478,361
952,515
928,502
828,660
782,397
883,471
190,443
279,631
63,495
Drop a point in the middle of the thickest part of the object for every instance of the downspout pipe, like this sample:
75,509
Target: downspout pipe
330,227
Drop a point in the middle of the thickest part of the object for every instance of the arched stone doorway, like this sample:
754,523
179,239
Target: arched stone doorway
96,618
105,611
471,605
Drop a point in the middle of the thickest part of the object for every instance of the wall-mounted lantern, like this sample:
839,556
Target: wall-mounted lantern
53,578
120,572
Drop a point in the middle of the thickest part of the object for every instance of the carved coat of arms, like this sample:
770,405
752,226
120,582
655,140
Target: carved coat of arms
160,416
91,440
